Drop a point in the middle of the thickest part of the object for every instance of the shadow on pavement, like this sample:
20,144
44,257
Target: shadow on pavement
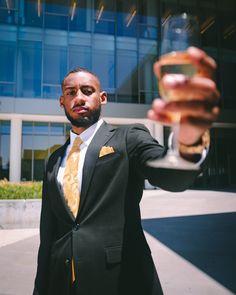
207,241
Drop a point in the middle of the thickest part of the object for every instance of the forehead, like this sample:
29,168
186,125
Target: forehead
81,78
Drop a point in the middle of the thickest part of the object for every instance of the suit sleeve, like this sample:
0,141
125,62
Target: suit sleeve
142,147
47,232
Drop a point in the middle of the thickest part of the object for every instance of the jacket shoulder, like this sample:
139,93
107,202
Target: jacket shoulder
134,126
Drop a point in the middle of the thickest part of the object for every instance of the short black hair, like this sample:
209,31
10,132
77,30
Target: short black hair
76,70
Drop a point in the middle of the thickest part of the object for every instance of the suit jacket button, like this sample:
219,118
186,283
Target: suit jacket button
76,226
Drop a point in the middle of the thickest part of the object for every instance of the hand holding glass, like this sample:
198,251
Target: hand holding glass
179,32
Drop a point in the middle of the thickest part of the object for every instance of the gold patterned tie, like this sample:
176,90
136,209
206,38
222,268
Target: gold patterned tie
70,179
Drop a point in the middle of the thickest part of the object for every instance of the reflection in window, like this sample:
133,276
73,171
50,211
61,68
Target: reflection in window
127,18
8,16
127,76
29,69
7,61
148,12
59,22
54,63
208,24
104,27
80,16
104,61
39,140
79,56
31,14
4,149
7,56
104,10
51,91
147,80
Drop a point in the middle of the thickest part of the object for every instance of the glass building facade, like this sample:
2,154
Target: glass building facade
40,41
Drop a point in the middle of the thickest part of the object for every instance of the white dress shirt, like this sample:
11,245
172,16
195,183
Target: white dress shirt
86,137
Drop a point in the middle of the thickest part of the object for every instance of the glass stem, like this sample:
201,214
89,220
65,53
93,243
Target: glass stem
175,130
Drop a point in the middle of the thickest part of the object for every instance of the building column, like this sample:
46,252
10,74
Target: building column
15,149
157,130
159,133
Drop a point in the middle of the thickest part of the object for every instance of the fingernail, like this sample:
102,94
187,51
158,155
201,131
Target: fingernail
173,80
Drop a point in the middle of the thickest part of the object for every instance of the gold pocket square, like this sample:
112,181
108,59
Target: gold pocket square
105,150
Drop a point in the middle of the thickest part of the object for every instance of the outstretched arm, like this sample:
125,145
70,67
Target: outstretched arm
198,114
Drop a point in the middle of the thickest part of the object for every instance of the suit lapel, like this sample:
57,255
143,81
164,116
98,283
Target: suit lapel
101,137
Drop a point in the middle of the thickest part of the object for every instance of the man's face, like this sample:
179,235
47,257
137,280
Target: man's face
82,99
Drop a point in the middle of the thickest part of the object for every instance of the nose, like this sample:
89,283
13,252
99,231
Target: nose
79,96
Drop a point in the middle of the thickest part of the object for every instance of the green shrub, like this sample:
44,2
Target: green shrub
20,190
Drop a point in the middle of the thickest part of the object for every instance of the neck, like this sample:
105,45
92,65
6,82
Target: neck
79,130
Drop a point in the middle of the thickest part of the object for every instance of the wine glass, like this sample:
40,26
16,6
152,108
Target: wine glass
179,32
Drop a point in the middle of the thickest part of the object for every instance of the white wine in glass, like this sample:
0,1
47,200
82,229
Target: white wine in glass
179,33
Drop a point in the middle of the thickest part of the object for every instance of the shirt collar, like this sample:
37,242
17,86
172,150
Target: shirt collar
86,135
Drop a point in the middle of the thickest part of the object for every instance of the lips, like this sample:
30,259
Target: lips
80,109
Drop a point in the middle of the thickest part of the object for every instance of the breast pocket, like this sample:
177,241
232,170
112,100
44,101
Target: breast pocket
109,157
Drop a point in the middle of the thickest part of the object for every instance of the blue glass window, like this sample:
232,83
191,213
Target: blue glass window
8,17
54,63
127,76
31,13
51,91
127,24
104,61
80,19
79,56
54,21
55,57
148,11
104,27
29,71
147,79
147,32
7,61
57,7
8,11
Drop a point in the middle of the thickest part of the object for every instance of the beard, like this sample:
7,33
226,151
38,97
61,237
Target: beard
86,121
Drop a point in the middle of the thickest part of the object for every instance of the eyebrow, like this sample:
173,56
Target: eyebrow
80,86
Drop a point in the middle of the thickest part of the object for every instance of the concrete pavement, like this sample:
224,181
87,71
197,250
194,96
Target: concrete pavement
192,236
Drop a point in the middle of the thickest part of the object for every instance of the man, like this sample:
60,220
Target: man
94,243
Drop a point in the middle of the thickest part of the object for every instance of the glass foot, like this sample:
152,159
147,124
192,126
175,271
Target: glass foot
172,161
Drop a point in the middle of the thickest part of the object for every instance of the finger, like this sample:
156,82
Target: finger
158,104
156,69
200,123
193,109
182,88
205,64
164,118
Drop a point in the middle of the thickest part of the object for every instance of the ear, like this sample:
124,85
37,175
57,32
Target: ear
103,97
61,101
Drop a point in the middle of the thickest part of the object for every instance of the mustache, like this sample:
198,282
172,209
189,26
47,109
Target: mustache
80,107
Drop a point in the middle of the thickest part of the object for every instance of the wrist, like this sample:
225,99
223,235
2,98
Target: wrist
196,148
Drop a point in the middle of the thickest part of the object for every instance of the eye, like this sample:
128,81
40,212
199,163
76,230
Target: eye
87,90
70,92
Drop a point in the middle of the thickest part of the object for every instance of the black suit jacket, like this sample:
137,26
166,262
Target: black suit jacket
106,239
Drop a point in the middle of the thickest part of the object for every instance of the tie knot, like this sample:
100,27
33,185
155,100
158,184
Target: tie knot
76,144
78,141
